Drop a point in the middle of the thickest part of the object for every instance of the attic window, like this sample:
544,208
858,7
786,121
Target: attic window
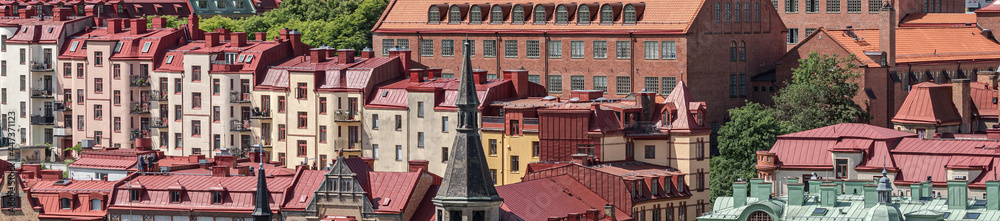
994,100
979,203
971,216
947,214
384,93
175,196
118,47
134,195
50,30
217,197
240,59
249,57
170,59
25,29
72,47
819,212
65,203
145,47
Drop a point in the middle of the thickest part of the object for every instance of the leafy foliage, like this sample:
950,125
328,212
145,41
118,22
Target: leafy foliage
751,129
340,24
172,21
821,93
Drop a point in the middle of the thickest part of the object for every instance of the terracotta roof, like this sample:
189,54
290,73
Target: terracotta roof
938,19
662,16
928,103
682,100
920,44
569,194
850,130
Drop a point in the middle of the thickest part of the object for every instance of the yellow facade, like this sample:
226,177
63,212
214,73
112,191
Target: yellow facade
507,146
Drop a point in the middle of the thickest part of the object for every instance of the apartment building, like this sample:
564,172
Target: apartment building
28,48
200,92
617,47
309,107
103,77
136,9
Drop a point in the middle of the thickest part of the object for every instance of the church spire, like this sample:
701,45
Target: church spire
467,189
262,208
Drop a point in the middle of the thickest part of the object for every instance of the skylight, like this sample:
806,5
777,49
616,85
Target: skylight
238,60
819,212
50,30
170,59
979,203
72,47
118,47
971,216
249,58
384,93
145,47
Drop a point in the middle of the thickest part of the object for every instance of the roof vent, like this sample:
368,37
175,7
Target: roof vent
62,182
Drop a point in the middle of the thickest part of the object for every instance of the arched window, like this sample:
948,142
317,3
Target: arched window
475,14
583,15
95,204
733,51
562,16
736,13
434,15
728,16
718,13
539,15
746,12
756,12
759,216
518,15
743,51
629,15
607,15
496,15
454,15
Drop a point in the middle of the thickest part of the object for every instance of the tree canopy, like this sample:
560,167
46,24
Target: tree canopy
340,24
172,21
751,129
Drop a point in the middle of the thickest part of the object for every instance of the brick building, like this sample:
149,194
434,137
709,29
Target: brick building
136,9
616,47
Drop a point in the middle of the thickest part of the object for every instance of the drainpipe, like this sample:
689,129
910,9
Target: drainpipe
420,47
631,60
496,53
545,36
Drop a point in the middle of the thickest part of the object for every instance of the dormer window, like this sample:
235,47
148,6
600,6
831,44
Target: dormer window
667,188
680,184
496,15
653,186
517,16
476,15
175,196
539,14
95,204
65,203
134,195
562,16
629,15
607,14
583,15
434,15
217,197
454,15
231,58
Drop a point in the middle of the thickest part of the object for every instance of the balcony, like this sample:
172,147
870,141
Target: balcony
346,116
138,81
42,120
642,128
239,126
346,145
158,95
41,93
62,132
41,66
136,134
237,97
159,123
63,107
139,108
258,113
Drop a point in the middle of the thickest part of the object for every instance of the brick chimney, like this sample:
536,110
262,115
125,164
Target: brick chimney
317,55
27,12
138,26
582,159
416,165
987,77
993,133
211,39
225,160
295,37
220,171
417,75
405,58
887,32
60,13
345,56
196,34
260,36
159,22
114,25
593,214
435,73
961,96
367,53
370,161
238,39
479,75
647,101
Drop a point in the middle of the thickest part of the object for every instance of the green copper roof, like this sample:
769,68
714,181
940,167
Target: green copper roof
222,7
848,208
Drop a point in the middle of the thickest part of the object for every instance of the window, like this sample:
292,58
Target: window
515,164
628,16
535,149
216,86
601,83
145,47
300,91
447,48
322,134
510,48
791,6
490,48
623,85
444,124
177,86
607,14
600,49
98,85
281,104
680,188
216,197
746,12
98,59
79,122
95,204
583,15
322,105
652,49
718,12
23,54
196,73
793,35
3,43
426,48
118,46
555,84
534,78
540,17
444,154
375,151
434,15
853,6
576,82
454,15
496,15
670,49
420,139
727,16
736,12
302,149
576,49
733,88
517,16
386,45
177,112
493,147
555,49
196,100
733,51
533,49
399,122
375,121
303,120
812,6
841,169
281,132
65,203
79,96
668,84
178,141
562,16
650,152
623,49
217,139
196,128
652,84
175,196
420,109
3,95
756,12
118,124
873,6
98,111
399,152
79,70
743,51
24,83
476,15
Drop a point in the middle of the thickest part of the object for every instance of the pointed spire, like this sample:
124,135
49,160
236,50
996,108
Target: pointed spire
467,87
262,208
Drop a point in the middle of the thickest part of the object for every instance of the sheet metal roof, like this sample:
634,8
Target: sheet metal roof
855,130
928,103
551,197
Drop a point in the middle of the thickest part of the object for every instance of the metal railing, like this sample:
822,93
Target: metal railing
342,115
42,120
41,93
642,127
531,121
41,66
493,119
158,95
63,107
259,113
141,107
239,125
138,81
238,97
139,133
159,123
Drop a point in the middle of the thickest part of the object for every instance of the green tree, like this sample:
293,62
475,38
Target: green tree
172,21
820,94
752,128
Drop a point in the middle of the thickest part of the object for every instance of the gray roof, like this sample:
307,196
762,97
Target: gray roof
849,208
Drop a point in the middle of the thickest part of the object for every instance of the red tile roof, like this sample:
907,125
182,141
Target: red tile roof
48,197
920,44
394,95
928,103
132,45
391,191
549,197
938,19
992,7
252,59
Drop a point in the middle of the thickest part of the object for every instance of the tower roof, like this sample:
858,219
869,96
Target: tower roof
467,87
262,208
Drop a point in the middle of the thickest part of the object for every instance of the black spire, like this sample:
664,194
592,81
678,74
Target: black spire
262,208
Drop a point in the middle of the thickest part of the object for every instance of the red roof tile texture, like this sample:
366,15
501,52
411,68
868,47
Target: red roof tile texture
921,44
938,19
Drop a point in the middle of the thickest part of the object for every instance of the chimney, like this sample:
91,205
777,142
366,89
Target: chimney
295,37
367,53
283,34
223,33
828,194
871,195
195,158
958,194
573,217
961,96
435,73
479,75
260,36
927,185
225,160
609,212
987,77
760,189
60,13
739,193
196,34
993,133
238,39
416,75
581,159
220,171
796,193
345,56
159,22
520,80
26,12
647,101
405,58
51,175
887,32
993,195
114,25
416,165
915,190
370,161
211,39
317,55
138,26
